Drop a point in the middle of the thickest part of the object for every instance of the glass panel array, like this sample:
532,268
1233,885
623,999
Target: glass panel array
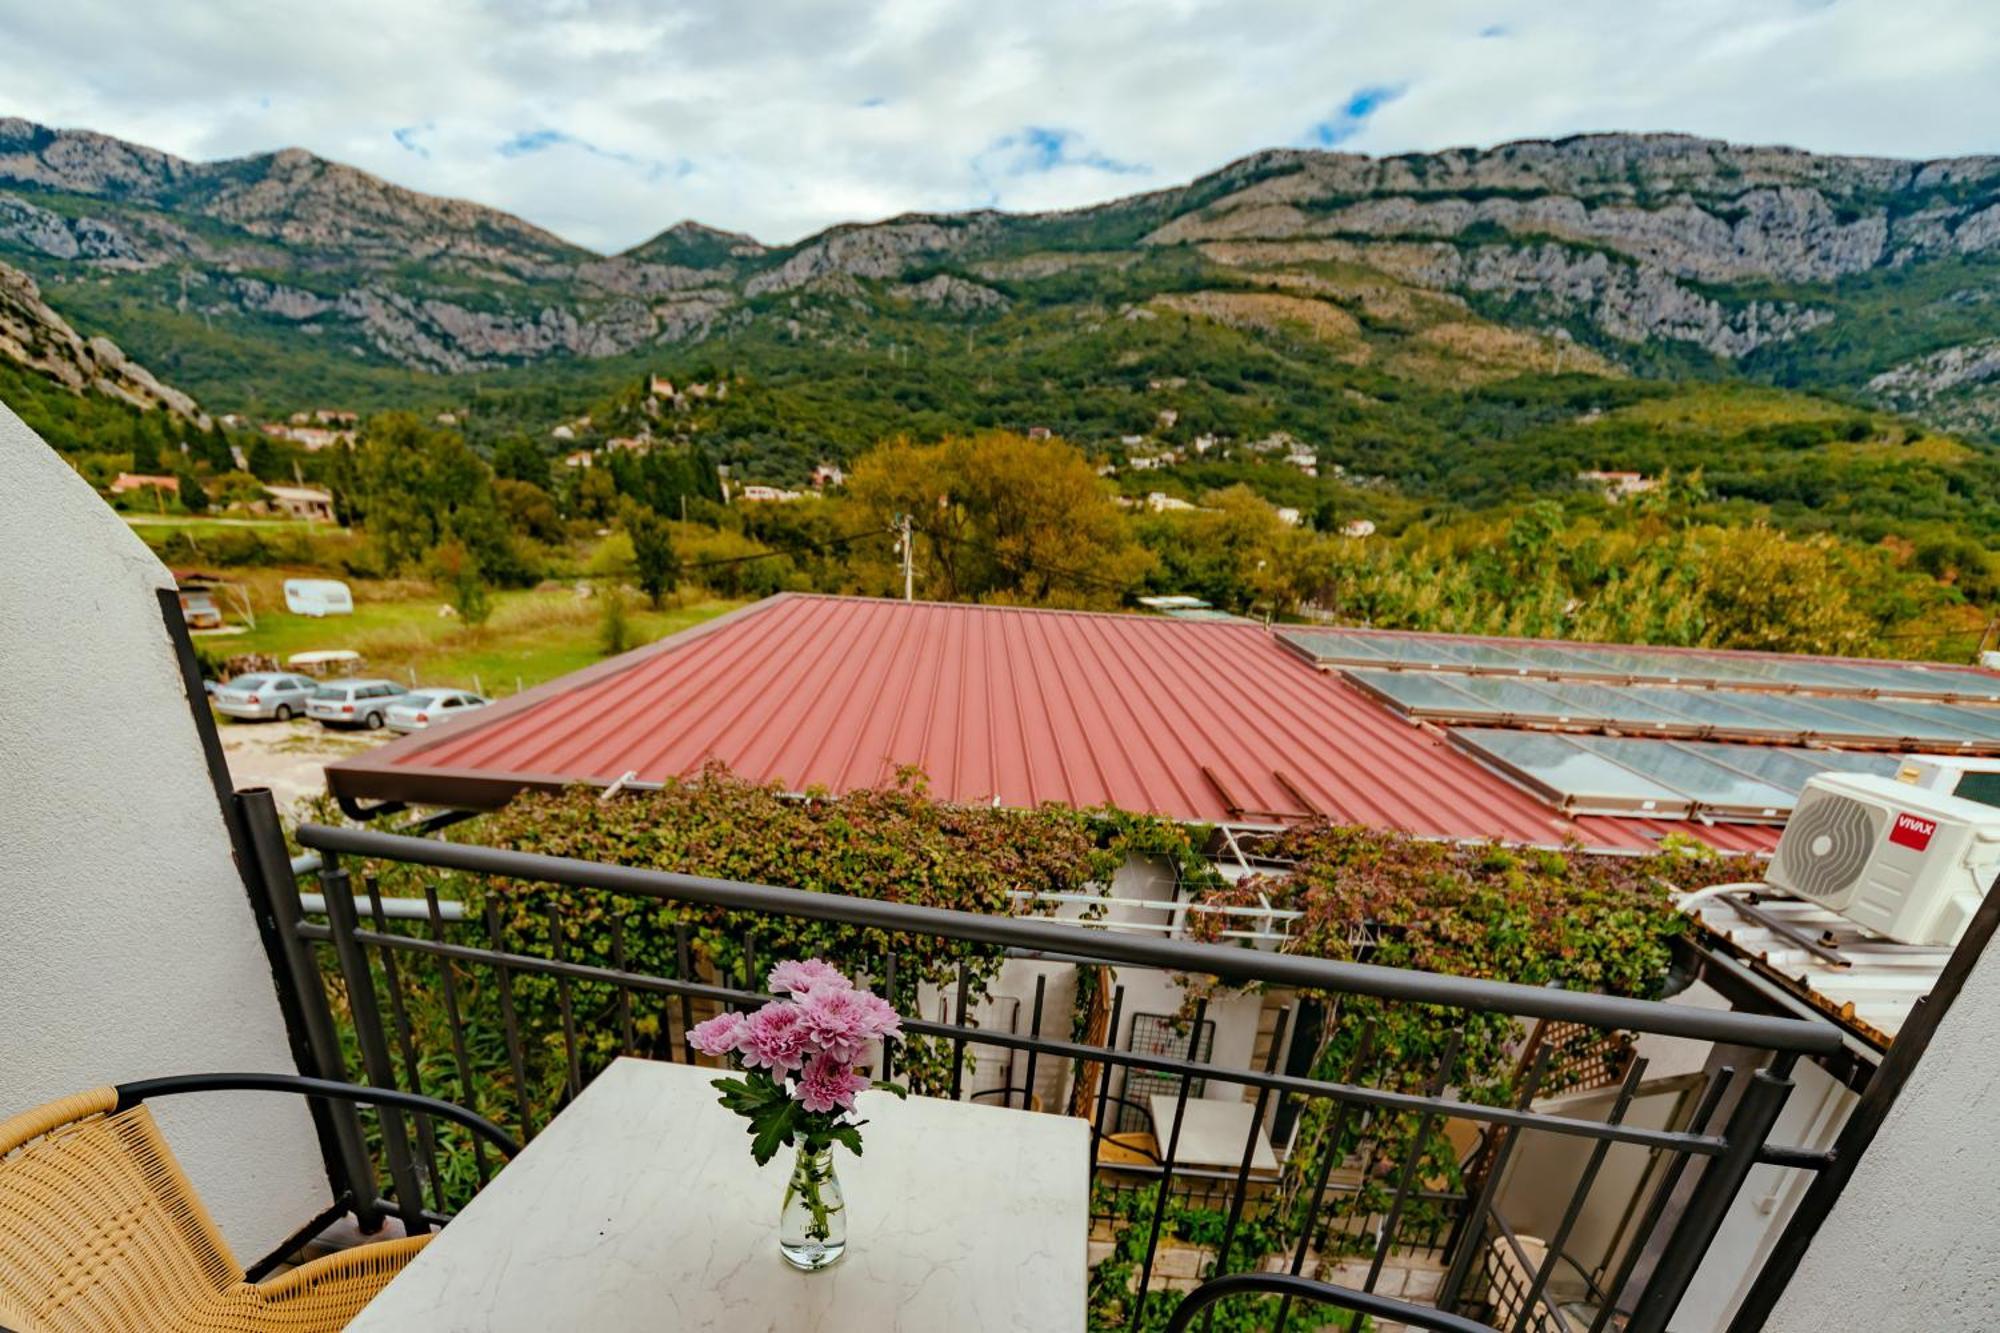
1692,711
1662,778
1574,778
1566,661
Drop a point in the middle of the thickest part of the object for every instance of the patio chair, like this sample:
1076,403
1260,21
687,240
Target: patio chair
100,1231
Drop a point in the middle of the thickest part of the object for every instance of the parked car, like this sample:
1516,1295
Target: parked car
421,707
353,703
265,694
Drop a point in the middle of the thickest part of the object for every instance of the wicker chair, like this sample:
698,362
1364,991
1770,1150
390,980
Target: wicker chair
100,1231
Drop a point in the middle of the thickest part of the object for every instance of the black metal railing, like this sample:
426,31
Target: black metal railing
548,967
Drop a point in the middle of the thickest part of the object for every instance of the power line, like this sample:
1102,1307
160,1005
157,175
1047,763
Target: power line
775,553
1021,562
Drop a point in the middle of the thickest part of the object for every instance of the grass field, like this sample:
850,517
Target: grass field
531,637
209,527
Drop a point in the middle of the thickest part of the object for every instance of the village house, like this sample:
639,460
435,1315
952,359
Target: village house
125,483
307,502
1358,527
1617,486
311,438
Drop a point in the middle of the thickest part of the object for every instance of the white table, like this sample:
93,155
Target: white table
1212,1133
638,1208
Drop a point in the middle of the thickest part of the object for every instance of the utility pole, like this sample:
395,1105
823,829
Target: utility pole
903,544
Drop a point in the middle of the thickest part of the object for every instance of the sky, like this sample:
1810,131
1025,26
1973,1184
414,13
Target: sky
605,121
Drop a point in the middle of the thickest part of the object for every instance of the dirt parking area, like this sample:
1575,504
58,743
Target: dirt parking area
289,757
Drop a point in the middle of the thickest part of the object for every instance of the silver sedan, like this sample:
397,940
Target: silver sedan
422,707
265,695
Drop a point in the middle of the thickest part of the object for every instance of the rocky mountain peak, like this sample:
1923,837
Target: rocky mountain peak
35,336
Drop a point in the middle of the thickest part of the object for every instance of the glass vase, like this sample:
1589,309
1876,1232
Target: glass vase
812,1226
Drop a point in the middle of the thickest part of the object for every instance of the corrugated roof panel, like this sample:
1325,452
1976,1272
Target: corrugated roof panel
1198,720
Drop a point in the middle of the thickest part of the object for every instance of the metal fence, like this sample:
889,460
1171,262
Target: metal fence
547,968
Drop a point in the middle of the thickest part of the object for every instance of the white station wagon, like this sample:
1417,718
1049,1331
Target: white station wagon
353,703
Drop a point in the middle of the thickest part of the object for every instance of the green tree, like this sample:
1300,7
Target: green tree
416,488
614,628
458,569
1005,518
518,458
193,498
266,462
653,557
528,509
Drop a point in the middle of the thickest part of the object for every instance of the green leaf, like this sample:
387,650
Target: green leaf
849,1135
771,1130
880,1086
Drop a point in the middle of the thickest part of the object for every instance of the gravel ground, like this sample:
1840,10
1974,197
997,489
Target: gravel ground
289,757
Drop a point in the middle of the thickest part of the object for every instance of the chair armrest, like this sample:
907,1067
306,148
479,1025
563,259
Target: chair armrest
131,1094
382,1258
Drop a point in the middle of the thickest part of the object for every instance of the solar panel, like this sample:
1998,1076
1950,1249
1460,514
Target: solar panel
1712,786
1618,663
1571,777
1626,775
1668,711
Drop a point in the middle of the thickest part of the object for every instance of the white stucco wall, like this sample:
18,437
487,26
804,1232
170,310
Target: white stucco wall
127,947
1914,1241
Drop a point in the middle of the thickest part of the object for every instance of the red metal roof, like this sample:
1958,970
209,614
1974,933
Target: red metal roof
1209,721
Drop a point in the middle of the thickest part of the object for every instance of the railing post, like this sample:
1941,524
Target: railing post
303,997
367,1017
1749,1128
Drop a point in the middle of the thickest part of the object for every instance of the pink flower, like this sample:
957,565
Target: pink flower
718,1036
776,1038
797,977
827,1083
843,1022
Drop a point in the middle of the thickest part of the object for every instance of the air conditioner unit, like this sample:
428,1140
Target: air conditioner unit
1974,779
1906,862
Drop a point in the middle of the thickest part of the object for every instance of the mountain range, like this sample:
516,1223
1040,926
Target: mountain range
272,278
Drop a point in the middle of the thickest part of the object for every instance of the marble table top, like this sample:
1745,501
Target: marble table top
638,1207
1212,1133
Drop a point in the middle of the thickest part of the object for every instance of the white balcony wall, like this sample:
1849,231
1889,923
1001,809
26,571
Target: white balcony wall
128,948
1914,1240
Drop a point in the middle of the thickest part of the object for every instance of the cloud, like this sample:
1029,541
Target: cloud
791,115
1347,122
